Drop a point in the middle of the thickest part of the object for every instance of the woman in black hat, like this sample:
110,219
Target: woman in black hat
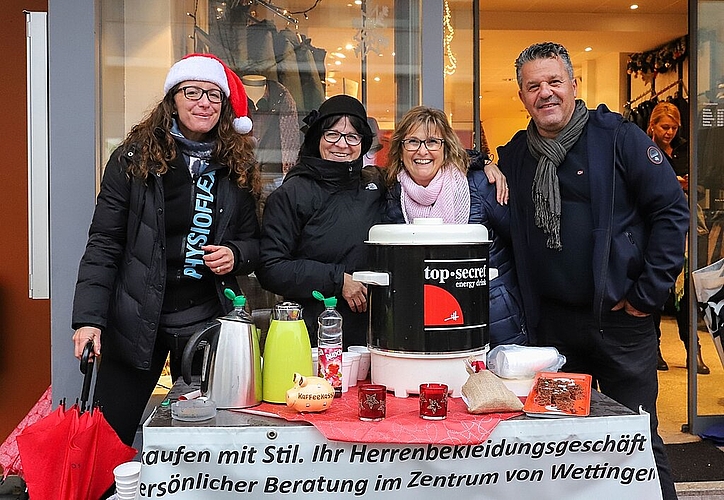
315,224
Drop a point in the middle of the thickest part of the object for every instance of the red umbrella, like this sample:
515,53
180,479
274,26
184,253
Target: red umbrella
70,455
9,455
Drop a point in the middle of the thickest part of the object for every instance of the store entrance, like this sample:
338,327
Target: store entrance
601,41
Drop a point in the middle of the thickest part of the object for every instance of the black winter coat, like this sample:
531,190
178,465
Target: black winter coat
122,275
313,231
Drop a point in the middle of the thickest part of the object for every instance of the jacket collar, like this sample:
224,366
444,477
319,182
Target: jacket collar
332,174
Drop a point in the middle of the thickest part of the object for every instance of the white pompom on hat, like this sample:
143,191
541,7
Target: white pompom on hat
209,68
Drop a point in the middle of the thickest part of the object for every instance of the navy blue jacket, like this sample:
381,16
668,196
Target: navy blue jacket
507,325
640,216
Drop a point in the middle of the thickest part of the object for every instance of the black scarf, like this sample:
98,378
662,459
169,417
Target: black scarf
196,154
550,153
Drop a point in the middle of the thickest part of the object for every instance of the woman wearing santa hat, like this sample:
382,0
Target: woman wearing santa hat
175,221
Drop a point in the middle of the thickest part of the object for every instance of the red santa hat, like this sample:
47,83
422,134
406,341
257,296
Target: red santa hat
209,68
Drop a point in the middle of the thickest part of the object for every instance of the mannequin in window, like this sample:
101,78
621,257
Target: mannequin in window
276,129
255,86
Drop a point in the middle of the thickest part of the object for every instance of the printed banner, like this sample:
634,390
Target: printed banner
591,457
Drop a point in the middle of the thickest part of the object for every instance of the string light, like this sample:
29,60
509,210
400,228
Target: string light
448,34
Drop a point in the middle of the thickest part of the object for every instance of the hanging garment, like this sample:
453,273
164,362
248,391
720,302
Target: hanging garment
285,43
260,49
276,129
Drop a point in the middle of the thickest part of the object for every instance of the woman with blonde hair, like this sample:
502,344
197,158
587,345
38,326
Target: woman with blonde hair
664,124
430,175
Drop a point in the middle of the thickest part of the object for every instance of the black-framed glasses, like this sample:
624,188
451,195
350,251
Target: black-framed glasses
432,144
332,137
193,93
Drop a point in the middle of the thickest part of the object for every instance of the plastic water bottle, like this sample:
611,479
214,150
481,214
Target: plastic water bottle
329,343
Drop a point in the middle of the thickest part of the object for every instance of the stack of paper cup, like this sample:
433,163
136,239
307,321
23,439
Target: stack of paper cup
364,360
127,475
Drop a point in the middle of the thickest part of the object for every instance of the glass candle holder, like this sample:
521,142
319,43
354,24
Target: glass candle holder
372,402
433,401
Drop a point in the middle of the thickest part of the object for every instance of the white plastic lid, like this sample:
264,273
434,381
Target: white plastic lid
427,232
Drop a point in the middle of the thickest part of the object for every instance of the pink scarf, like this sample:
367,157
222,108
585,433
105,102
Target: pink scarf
446,197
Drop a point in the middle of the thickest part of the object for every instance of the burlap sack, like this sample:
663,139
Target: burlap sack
484,392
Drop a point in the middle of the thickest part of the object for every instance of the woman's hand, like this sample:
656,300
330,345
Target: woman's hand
495,176
219,259
684,182
355,293
81,337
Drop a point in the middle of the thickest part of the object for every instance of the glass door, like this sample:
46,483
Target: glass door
706,239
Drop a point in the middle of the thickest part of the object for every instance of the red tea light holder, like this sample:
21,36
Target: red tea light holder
433,401
372,402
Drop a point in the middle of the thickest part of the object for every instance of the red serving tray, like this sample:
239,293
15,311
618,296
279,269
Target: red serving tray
581,406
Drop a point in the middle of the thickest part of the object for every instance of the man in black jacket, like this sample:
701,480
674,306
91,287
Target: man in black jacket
594,200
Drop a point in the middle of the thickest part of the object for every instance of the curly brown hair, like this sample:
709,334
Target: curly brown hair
431,119
154,146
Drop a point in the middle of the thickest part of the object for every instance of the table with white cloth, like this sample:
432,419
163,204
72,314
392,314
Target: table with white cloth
241,455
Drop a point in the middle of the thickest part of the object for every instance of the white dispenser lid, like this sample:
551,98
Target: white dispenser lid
427,232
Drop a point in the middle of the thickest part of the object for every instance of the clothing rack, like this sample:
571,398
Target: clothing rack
651,93
278,11
679,82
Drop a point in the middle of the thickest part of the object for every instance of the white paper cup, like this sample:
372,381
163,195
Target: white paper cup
315,361
364,360
346,369
126,494
128,471
127,475
127,484
354,369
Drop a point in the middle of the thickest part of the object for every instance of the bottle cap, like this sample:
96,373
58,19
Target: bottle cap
237,300
328,301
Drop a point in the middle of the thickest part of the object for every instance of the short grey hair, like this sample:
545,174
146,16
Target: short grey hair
544,50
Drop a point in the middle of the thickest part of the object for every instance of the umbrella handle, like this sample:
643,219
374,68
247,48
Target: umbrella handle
85,357
86,367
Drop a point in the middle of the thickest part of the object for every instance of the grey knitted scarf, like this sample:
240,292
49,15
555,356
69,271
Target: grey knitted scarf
550,153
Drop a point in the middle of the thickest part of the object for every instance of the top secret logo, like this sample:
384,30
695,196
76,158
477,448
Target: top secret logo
442,275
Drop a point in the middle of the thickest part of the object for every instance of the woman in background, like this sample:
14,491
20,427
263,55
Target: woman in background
663,128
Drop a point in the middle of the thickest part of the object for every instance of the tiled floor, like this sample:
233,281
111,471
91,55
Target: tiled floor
672,402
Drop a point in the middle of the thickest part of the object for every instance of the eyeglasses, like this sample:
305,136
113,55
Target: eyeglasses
332,137
196,93
413,144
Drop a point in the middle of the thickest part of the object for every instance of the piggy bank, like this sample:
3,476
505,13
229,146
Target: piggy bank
311,394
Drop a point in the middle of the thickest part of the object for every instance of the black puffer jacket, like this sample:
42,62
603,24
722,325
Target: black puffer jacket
122,274
313,232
